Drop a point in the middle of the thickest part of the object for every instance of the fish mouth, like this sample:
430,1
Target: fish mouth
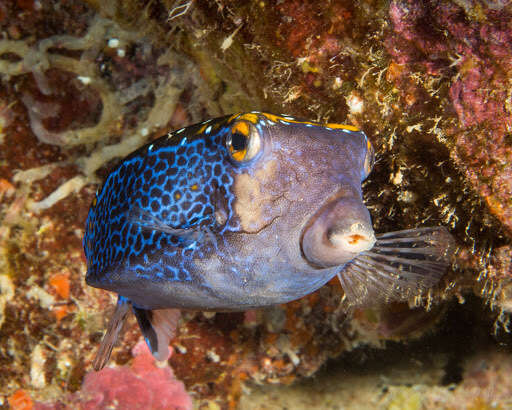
337,232
355,239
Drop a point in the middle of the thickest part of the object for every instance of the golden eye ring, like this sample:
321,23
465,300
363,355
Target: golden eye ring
243,142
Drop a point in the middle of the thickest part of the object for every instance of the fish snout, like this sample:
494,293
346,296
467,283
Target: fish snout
355,239
338,232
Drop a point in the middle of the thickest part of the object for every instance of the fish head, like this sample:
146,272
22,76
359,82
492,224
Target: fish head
236,212
300,182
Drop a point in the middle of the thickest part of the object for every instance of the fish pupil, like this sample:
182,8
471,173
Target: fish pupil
238,141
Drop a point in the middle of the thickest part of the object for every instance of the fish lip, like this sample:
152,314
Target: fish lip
318,266
358,233
335,240
310,222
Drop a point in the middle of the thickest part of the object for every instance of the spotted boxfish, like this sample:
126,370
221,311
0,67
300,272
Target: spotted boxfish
242,212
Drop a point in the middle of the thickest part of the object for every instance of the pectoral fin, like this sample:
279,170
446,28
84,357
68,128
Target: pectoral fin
400,265
114,328
187,235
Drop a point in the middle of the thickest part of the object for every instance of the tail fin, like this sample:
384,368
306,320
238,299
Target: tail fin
400,265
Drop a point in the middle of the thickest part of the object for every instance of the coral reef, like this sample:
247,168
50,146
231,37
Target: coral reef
485,385
143,386
473,55
77,92
423,374
83,84
140,385
112,83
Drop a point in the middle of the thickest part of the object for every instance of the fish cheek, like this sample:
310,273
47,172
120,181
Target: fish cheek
255,197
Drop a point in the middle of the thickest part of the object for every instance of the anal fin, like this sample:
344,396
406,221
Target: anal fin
158,328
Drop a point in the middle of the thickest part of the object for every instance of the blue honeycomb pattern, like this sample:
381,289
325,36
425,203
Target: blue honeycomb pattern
158,211
174,185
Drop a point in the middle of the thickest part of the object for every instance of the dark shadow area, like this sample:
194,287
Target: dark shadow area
465,330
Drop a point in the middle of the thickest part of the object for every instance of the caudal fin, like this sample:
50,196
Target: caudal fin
114,328
402,264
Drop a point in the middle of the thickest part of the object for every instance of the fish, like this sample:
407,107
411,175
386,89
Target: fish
246,211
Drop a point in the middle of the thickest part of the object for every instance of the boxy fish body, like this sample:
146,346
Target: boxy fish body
242,212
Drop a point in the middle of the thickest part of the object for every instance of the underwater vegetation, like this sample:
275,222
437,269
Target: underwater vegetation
83,84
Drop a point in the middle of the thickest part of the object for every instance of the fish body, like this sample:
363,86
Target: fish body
246,211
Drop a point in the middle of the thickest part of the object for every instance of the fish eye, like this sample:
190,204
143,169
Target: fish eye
369,159
238,142
243,142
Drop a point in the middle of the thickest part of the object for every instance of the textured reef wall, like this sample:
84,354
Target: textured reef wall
84,83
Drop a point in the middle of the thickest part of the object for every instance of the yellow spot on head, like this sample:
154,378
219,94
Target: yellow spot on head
194,187
239,155
253,118
177,195
335,126
242,127
233,117
272,117
94,201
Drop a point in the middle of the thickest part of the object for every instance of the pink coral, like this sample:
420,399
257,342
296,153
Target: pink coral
140,386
